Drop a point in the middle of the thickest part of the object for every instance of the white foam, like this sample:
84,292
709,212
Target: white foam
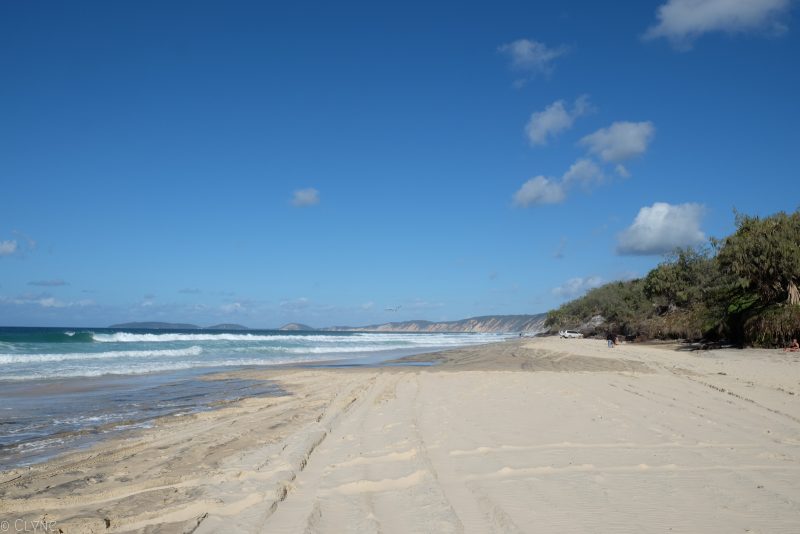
427,338
154,367
325,350
41,358
127,337
176,351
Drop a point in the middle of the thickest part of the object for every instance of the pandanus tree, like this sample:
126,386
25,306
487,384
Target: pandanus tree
763,259
763,256
683,279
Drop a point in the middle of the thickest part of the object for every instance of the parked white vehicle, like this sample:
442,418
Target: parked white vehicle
570,334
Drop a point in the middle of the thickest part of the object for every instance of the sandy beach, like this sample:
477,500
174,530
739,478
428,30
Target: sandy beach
530,435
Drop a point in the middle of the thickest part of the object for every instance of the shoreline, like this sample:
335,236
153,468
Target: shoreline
132,402
566,435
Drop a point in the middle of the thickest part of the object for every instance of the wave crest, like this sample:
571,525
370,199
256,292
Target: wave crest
42,358
427,338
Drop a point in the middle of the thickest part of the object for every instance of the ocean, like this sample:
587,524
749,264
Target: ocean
61,389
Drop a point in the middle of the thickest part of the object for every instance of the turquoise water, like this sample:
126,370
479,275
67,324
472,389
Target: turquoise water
63,389
37,353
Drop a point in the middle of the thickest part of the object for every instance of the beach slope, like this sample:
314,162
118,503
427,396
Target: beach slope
542,435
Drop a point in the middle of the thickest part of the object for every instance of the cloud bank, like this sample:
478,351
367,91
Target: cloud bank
661,228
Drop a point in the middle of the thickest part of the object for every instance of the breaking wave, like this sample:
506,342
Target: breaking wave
67,356
427,339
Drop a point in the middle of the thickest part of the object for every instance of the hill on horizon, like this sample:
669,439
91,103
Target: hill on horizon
485,323
296,327
533,323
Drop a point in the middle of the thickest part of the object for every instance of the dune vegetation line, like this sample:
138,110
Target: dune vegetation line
742,288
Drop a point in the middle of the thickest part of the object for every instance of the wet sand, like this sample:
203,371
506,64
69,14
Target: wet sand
41,419
542,435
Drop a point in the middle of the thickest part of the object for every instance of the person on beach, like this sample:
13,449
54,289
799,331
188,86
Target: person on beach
612,340
793,347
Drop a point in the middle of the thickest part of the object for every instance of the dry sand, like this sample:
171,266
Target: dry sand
542,435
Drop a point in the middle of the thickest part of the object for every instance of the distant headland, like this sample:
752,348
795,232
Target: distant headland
530,324
296,327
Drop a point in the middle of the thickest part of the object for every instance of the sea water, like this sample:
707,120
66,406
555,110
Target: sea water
62,389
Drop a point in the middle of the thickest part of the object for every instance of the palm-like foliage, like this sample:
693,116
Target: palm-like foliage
764,256
744,287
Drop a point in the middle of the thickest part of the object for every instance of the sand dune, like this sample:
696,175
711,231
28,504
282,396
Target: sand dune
541,435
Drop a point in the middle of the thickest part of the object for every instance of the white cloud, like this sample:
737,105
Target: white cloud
532,57
7,248
554,119
622,170
683,21
583,171
577,286
539,190
50,302
368,305
305,197
544,190
620,141
661,228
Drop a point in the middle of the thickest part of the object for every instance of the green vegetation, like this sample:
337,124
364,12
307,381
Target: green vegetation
742,288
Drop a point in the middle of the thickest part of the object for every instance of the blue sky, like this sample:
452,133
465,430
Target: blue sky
239,162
